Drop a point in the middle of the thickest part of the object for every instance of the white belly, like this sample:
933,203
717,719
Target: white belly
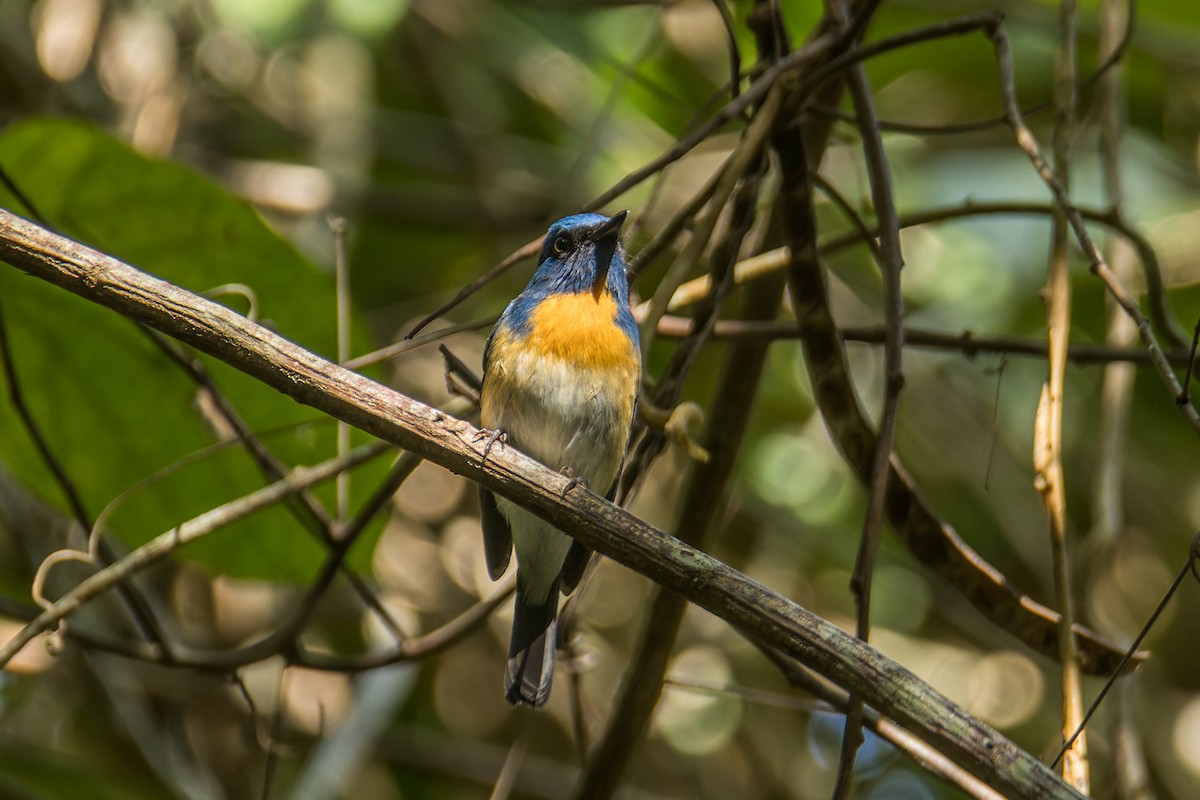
562,416
566,418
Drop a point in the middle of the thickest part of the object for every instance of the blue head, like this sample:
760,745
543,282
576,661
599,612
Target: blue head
582,254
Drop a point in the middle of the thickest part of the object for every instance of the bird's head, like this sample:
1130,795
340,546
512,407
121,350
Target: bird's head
583,253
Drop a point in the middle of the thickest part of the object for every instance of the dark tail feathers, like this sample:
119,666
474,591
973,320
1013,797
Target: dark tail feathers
530,666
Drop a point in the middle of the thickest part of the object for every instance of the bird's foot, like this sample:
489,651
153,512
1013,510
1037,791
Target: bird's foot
492,436
574,481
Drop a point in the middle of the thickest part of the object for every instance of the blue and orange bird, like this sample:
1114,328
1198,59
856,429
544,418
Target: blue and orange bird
560,381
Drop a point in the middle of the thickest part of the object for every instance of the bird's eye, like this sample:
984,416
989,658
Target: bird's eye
562,243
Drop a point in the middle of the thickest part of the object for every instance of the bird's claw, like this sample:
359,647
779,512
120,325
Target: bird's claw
574,480
492,436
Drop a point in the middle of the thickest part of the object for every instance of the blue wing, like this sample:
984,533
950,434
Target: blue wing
497,535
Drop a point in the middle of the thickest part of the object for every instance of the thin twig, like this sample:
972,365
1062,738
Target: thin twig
14,188
166,543
284,637
739,165
527,250
1189,565
305,506
505,781
1191,365
1028,143
965,342
999,370
877,483
814,50
379,499
1102,70
406,345
735,55
866,236
274,644
16,399
848,57
1160,310
139,608
904,741
670,232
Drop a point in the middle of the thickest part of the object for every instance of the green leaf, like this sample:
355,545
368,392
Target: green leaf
113,408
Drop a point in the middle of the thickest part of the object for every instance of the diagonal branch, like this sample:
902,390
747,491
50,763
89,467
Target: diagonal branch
140,610
759,612
932,540
1099,266
308,510
117,573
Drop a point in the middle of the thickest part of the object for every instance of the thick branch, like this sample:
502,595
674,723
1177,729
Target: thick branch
933,541
759,612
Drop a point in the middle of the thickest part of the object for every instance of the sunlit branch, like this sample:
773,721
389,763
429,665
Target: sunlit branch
597,524
1028,143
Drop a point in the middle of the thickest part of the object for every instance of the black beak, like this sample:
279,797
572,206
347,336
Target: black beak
606,235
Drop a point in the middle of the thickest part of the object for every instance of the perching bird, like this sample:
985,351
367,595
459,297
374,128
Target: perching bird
560,381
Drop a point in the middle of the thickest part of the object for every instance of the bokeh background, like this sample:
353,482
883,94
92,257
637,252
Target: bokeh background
211,143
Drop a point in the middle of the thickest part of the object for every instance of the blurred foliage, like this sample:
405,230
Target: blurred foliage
122,411
209,143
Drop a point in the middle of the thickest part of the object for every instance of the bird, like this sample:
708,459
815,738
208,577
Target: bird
561,373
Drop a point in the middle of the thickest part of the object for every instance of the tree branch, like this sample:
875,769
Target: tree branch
158,548
890,262
1048,468
759,612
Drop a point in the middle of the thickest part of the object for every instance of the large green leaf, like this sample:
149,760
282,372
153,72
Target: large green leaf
114,409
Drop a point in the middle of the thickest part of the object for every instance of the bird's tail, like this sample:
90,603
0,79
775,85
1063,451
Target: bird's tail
530,666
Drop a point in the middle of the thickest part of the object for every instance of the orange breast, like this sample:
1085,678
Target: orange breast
581,329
